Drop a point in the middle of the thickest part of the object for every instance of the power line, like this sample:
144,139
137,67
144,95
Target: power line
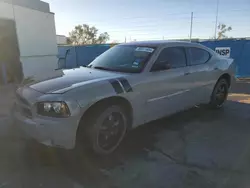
164,16
163,30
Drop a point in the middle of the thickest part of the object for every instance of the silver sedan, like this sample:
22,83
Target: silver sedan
127,86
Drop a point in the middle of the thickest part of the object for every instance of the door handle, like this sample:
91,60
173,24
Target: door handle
187,73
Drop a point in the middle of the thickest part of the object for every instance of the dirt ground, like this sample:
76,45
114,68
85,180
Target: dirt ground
196,148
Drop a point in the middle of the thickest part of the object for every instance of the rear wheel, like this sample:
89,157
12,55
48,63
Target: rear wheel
220,93
106,129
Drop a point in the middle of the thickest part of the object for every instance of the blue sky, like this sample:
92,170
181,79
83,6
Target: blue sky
152,19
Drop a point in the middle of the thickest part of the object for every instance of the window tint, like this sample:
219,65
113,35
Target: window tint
173,57
198,56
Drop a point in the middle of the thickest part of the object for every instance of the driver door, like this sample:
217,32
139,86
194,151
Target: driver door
168,88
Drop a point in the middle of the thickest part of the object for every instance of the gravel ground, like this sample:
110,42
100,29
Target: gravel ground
194,148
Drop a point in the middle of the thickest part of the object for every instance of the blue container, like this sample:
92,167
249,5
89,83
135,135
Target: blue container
240,52
75,56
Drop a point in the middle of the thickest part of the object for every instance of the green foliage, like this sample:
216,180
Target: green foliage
84,34
68,40
28,80
222,30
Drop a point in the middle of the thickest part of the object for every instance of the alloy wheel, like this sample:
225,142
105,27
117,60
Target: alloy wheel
111,131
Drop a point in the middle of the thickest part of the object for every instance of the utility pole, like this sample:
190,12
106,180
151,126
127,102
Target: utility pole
191,26
216,20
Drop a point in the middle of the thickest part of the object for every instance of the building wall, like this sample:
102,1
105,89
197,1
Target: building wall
37,34
6,11
61,39
35,28
31,4
42,68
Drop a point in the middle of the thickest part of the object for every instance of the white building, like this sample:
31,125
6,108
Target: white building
61,39
36,35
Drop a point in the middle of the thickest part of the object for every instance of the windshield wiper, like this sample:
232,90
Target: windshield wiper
103,68
86,66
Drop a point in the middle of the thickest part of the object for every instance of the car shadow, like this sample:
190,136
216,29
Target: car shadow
85,167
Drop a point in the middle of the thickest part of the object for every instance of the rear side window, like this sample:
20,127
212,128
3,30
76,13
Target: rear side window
198,56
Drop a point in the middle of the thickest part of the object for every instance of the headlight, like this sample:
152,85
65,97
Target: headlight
53,109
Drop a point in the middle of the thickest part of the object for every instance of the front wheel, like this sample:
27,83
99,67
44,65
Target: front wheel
106,129
219,95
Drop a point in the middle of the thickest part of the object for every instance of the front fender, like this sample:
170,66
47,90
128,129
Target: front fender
88,94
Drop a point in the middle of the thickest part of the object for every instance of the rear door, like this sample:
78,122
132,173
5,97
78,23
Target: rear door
200,73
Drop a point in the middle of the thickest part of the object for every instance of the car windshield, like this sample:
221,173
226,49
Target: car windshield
123,58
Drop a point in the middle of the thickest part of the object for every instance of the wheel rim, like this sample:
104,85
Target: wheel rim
221,94
111,131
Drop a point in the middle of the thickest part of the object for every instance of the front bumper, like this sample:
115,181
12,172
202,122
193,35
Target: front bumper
54,132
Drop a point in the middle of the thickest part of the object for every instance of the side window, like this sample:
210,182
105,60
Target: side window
198,56
172,57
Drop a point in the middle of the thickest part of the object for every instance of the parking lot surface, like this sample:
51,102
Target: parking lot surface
195,148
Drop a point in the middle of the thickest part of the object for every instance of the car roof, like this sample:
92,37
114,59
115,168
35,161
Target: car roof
159,43
155,43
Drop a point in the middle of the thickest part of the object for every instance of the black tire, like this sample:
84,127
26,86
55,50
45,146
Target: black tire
107,123
219,95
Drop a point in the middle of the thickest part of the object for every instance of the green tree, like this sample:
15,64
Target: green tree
68,40
84,34
222,30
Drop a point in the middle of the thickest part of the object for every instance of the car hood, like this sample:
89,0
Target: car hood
69,79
